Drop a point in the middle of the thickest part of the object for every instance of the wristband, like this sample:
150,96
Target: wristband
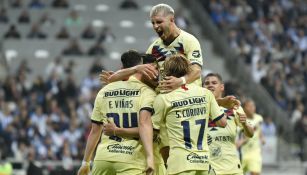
85,163
183,80
114,133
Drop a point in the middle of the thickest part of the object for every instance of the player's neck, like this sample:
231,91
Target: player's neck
173,35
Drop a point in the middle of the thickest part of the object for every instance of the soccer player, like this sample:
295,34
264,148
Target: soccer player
126,104
173,40
223,152
251,147
185,112
110,128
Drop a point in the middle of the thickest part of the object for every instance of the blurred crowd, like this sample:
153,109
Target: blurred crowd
47,119
271,38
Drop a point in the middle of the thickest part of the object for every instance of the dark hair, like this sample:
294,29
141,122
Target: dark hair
218,76
148,58
131,58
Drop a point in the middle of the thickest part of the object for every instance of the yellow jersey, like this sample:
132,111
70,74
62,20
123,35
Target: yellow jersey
121,103
185,113
223,152
185,44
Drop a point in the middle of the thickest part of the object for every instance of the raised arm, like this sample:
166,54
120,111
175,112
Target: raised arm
110,129
145,69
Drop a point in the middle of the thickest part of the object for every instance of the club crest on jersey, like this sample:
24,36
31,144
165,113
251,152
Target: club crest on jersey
196,54
216,152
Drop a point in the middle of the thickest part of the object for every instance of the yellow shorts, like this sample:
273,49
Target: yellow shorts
160,169
252,164
101,167
193,172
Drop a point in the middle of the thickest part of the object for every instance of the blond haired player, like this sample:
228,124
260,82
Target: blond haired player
185,112
223,152
173,40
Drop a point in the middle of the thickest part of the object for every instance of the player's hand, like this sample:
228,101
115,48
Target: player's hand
109,129
150,166
149,171
170,83
104,76
84,170
242,118
149,70
229,102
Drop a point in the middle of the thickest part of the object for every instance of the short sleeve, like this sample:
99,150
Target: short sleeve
159,115
216,113
147,99
97,114
194,53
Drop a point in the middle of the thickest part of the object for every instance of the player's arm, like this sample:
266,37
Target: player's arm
92,141
146,135
158,119
146,69
241,141
110,129
196,61
193,75
248,130
229,102
170,83
221,121
217,115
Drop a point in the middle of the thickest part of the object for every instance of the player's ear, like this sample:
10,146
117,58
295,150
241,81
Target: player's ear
172,18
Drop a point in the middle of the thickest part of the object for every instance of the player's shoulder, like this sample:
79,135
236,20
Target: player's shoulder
156,42
188,36
148,90
193,87
258,117
206,91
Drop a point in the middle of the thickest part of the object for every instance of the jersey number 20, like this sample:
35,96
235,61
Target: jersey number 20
116,118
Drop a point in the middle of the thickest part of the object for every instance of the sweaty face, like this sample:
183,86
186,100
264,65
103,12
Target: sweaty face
161,25
214,85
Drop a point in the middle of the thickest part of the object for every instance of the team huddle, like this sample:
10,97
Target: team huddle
156,117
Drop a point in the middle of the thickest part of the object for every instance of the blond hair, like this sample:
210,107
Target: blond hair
176,65
166,9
